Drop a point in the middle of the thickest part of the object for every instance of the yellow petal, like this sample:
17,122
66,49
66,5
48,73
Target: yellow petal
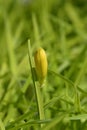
40,59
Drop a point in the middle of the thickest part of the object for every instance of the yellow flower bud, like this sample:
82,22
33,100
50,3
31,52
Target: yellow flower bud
40,59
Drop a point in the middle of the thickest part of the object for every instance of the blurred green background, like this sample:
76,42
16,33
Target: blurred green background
60,27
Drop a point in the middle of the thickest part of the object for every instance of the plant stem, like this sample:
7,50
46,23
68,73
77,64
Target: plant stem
39,97
40,102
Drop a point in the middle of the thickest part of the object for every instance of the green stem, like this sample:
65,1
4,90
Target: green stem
39,97
40,103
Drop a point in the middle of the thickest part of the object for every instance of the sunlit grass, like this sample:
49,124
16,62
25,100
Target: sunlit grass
59,27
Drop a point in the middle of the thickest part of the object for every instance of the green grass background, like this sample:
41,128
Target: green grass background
60,27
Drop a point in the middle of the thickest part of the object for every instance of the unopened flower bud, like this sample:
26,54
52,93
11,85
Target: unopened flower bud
40,59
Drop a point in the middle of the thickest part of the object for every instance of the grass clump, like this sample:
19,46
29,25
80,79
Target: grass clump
59,27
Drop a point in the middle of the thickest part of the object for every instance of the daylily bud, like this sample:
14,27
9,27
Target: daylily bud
40,59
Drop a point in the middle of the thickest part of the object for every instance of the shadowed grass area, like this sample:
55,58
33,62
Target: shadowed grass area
60,28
